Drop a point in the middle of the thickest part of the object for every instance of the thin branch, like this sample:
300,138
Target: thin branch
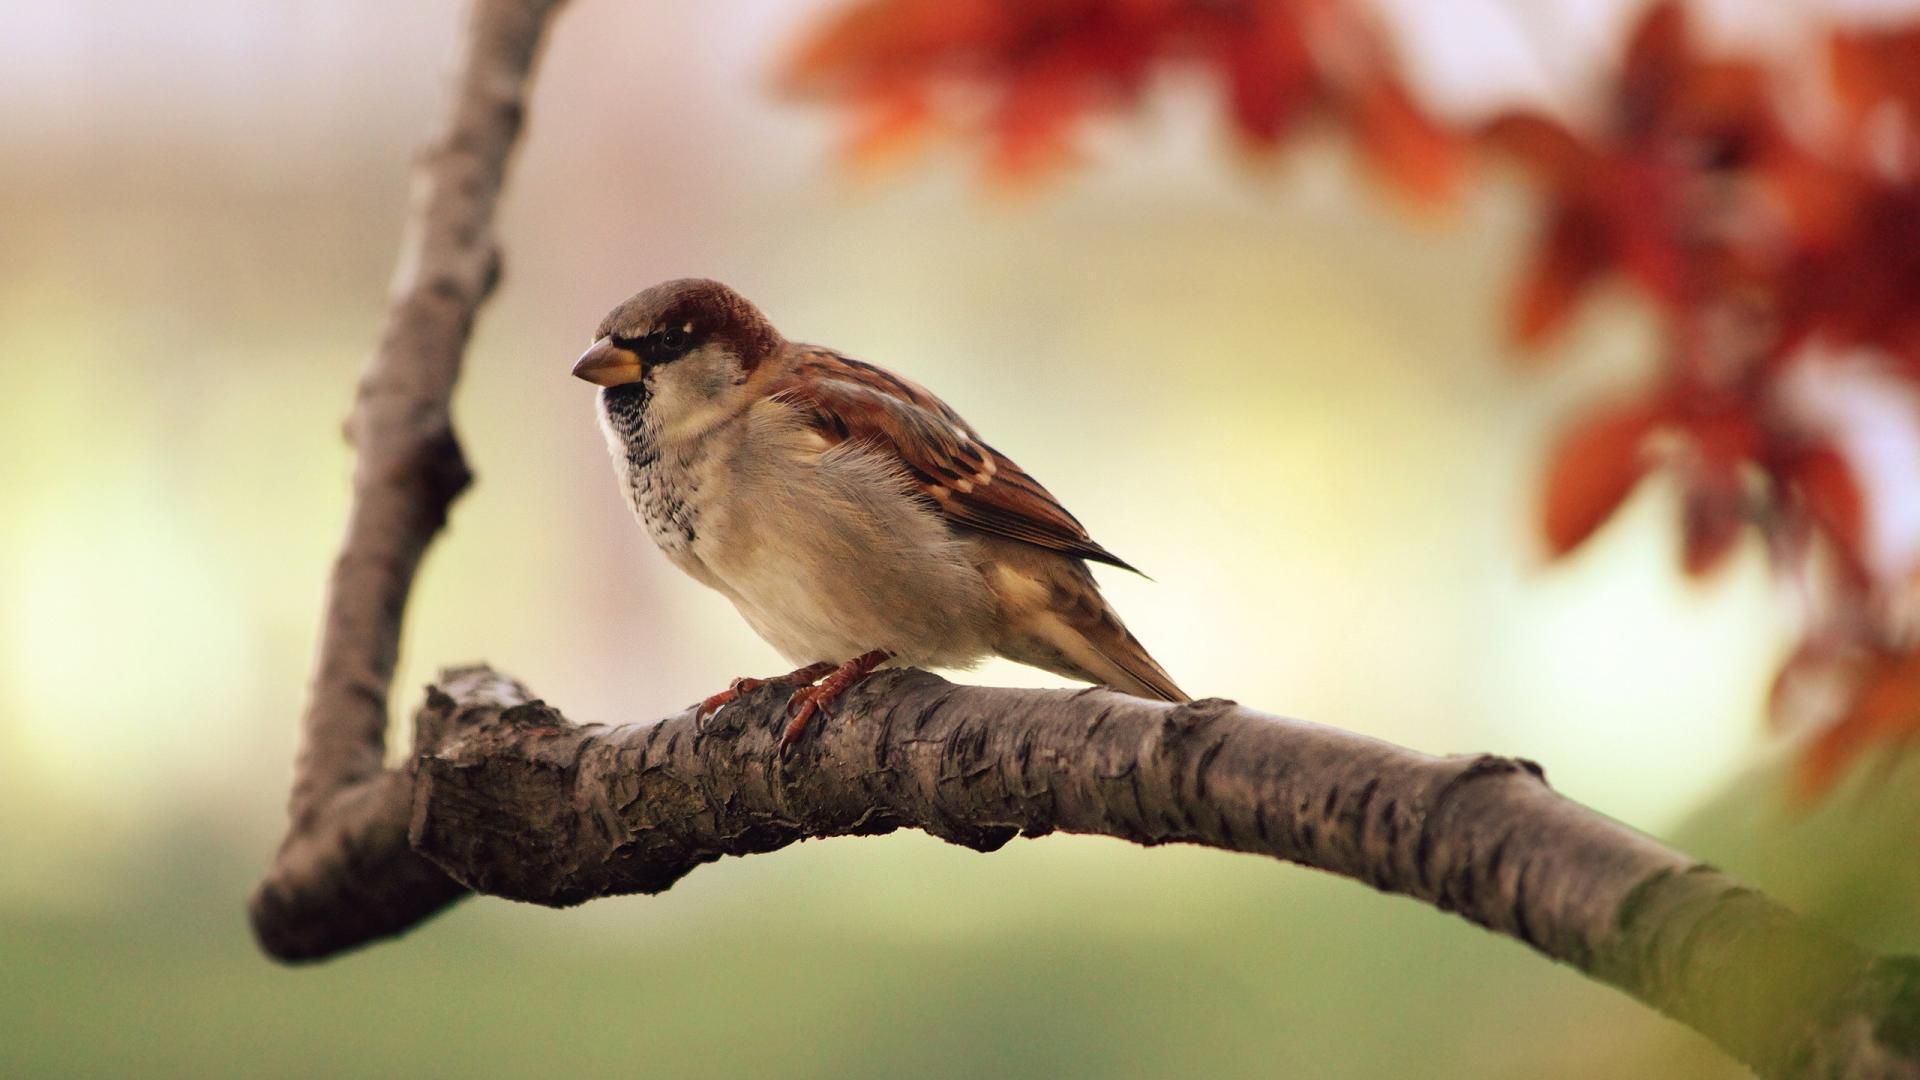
410,469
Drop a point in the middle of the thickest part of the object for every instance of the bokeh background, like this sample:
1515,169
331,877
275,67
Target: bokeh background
1281,394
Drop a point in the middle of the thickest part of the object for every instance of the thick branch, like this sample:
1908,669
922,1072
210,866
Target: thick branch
511,799
409,471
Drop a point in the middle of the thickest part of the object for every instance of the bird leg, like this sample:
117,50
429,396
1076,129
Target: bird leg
814,699
805,676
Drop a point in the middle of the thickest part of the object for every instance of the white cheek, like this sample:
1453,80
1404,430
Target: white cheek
672,398
692,393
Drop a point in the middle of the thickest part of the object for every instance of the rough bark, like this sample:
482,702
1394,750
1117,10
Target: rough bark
511,799
504,796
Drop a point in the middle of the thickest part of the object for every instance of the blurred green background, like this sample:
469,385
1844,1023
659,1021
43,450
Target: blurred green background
1271,387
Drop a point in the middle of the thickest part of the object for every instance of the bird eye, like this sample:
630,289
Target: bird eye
673,340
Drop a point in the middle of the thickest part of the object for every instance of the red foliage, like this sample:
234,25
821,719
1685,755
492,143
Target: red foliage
1751,246
1873,71
1025,74
1648,196
1594,469
1824,482
1884,701
1754,241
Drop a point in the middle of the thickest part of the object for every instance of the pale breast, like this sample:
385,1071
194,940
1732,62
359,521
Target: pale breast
827,554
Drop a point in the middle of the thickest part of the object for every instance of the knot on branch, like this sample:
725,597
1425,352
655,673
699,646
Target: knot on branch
1190,716
981,838
463,697
1485,765
435,468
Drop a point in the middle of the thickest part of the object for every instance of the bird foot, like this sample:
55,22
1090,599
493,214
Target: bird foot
809,700
805,676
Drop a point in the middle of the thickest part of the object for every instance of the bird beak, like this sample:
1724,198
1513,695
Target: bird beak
607,364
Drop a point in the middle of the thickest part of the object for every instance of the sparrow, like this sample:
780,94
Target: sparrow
853,518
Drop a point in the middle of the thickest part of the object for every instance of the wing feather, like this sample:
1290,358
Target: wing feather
846,400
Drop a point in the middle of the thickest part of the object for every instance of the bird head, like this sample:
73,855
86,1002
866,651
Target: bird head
684,348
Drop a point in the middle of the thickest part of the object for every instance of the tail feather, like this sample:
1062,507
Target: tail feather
1135,670
1054,618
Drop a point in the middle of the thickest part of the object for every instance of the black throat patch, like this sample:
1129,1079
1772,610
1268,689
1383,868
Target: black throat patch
626,408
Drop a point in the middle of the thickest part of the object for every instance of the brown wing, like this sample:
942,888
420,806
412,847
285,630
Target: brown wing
972,483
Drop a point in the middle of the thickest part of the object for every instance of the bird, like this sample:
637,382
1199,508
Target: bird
853,518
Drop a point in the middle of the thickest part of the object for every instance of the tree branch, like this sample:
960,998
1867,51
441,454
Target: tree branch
503,795
410,469
509,798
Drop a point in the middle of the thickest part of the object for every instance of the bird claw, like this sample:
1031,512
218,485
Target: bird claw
815,699
810,702
806,702
802,677
721,700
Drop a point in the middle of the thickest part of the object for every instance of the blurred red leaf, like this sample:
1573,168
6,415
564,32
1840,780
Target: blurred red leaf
1859,289
1033,123
1270,77
1403,144
1713,511
1639,196
1885,708
1658,56
1825,484
1593,470
1724,438
1554,153
1817,660
892,125
868,38
1872,69
1576,251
